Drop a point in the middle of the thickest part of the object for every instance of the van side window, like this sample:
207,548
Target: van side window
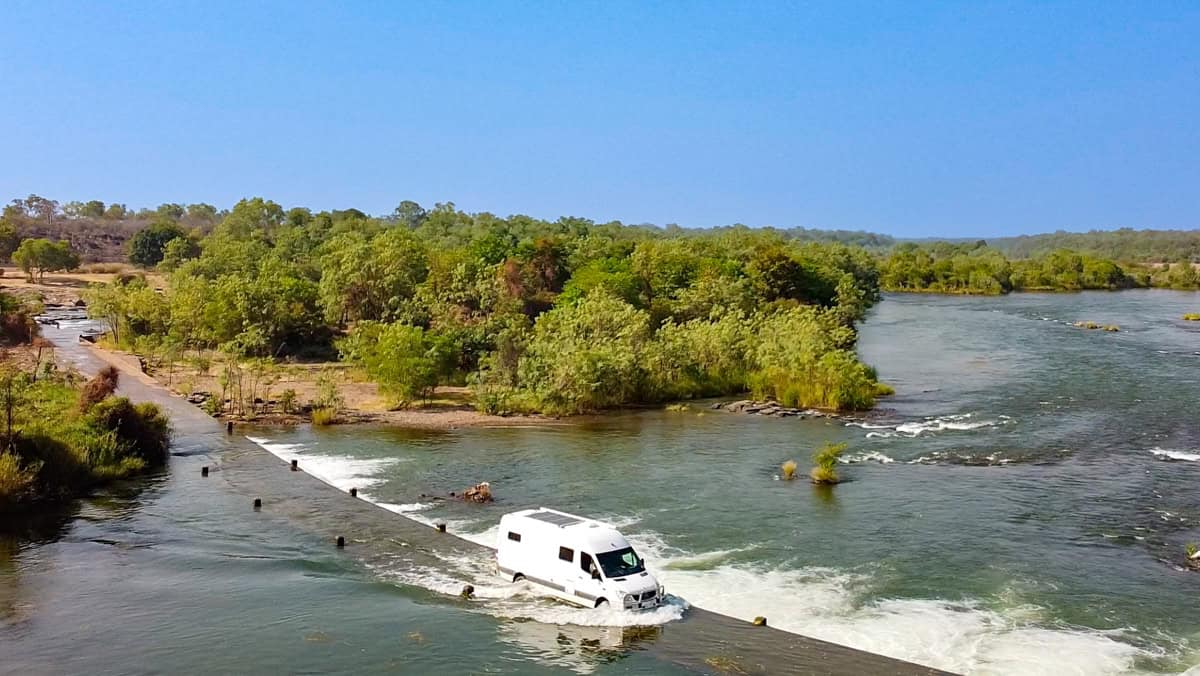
566,554
585,562
515,537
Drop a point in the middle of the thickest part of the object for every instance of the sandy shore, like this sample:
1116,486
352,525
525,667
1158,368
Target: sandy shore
449,409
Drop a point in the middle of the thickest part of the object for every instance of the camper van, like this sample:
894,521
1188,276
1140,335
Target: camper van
575,559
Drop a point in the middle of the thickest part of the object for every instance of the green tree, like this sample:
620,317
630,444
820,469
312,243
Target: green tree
370,278
39,256
178,251
201,213
9,240
587,356
409,213
147,247
92,209
401,358
170,211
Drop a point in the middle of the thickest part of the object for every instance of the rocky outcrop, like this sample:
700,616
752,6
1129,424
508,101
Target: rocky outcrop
481,492
769,408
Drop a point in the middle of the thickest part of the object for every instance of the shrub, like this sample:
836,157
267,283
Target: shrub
401,358
587,356
99,388
324,416
287,401
826,459
1191,550
213,406
141,430
804,358
503,401
328,395
16,482
787,471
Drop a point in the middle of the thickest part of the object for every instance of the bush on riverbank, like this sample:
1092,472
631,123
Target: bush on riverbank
54,450
602,353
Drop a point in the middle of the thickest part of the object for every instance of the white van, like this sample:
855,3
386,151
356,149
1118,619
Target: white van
576,559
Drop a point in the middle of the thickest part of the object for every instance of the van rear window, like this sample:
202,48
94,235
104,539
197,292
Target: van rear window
515,537
566,554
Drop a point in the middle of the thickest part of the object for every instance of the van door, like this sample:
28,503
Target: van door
588,587
564,575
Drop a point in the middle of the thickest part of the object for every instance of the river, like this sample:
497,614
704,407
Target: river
1021,506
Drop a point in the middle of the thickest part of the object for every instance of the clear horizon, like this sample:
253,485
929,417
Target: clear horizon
954,120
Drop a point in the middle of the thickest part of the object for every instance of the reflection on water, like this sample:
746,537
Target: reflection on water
580,649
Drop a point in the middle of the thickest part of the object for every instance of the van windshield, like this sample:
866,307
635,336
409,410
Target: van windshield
620,562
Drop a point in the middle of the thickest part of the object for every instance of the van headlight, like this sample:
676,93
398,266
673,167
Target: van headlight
630,600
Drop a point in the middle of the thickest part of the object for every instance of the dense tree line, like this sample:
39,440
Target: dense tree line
977,268
1125,245
100,232
564,316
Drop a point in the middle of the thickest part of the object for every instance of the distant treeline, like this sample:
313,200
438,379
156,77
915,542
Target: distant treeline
100,231
977,268
1125,245
94,230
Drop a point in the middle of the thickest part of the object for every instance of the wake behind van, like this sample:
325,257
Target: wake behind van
575,559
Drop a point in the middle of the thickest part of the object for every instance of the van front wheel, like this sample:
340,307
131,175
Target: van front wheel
518,578
601,603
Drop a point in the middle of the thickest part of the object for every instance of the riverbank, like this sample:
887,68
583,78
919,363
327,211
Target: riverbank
361,402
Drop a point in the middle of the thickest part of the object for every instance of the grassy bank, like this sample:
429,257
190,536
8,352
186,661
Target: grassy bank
60,436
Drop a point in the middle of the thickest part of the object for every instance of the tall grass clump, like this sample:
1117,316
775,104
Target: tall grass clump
787,471
826,459
324,416
16,482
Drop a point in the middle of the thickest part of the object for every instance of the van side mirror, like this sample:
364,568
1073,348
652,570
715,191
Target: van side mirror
595,574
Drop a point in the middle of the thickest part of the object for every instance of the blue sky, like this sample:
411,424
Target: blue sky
914,119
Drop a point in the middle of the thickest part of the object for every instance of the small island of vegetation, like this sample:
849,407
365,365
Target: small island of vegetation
558,317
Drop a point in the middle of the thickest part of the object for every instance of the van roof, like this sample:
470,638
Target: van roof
597,535
557,518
